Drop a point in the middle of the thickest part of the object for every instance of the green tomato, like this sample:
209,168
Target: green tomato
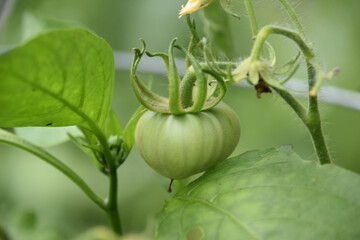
178,146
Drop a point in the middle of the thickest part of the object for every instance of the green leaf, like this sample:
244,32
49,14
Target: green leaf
60,78
232,7
266,194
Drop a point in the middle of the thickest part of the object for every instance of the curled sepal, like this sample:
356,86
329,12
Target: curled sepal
201,81
291,73
241,72
288,66
272,54
164,56
145,96
174,83
197,91
217,96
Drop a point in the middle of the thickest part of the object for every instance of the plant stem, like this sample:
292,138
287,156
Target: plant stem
298,108
311,121
252,17
16,141
314,122
316,76
112,208
267,30
293,16
318,138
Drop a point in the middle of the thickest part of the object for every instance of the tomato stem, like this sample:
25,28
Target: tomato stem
293,16
314,123
170,184
112,207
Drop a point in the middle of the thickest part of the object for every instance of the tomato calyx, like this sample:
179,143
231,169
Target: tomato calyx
170,185
199,89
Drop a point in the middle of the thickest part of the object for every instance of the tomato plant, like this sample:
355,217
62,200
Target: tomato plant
58,85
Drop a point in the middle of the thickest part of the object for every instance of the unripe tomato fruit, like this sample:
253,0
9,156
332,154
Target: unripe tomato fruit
178,146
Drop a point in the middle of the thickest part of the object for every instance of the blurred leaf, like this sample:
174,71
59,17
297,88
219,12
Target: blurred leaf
3,234
33,25
217,29
47,137
12,139
98,233
129,132
232,7
61,78
27,220
103,233
266,194
24,224
112,125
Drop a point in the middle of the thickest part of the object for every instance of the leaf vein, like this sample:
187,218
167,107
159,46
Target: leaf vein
224,211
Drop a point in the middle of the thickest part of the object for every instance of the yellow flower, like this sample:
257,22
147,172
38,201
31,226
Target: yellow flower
193,6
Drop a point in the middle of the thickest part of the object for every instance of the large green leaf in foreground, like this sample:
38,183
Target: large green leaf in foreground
268,194
60,78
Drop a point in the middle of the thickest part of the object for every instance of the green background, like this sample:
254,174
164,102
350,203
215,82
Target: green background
30,189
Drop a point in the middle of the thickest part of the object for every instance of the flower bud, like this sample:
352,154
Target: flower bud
193,6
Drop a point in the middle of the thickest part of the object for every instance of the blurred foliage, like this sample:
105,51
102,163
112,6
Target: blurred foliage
28,185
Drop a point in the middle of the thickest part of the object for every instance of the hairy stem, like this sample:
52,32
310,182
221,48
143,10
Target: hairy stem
311,119
314,123
316,77
267,30
305,49
298,108
293,16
